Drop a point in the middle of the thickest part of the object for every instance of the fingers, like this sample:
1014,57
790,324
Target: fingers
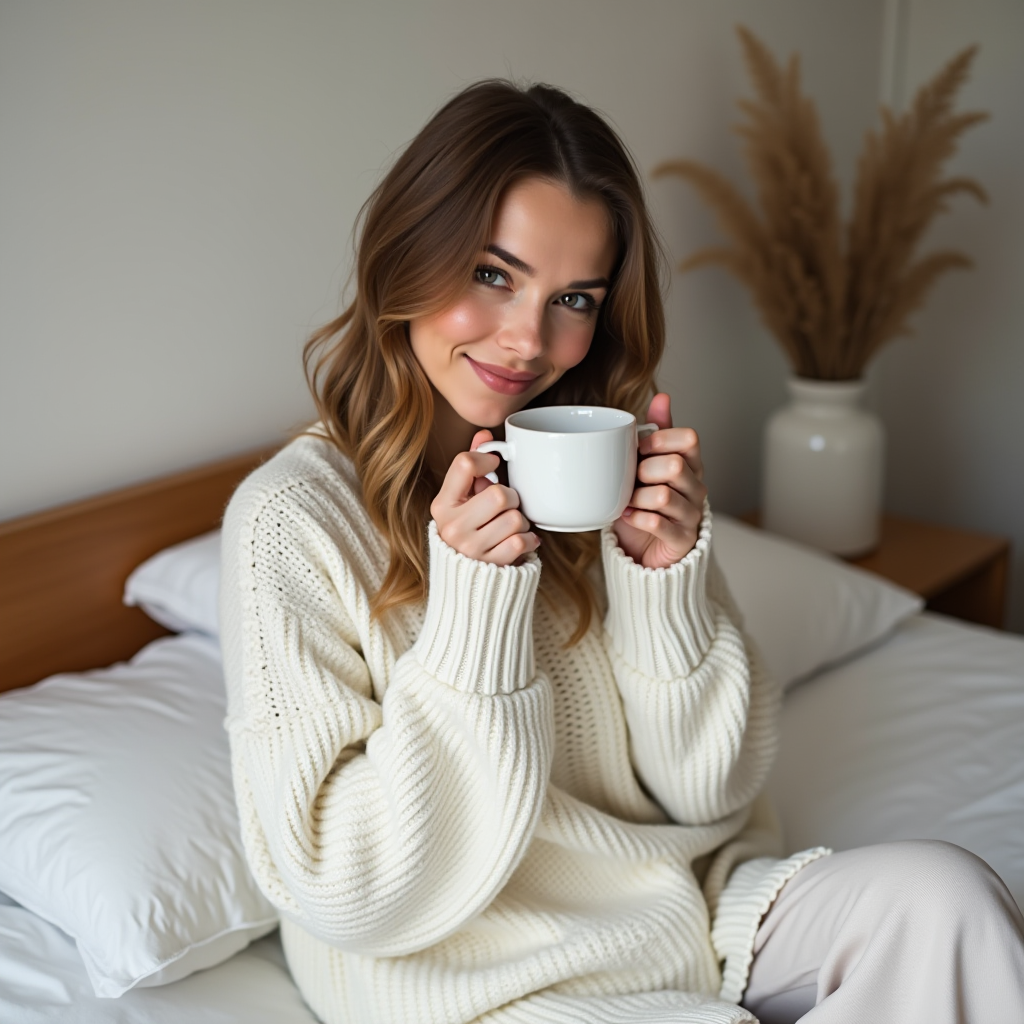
663,503
676,472
472,507
513,549
669,503
666,515
458,483
481,483
662,511
675,440
666,543
479,519
490,504
500,538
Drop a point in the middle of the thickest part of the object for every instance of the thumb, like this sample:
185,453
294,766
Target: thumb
660,410
481,483
479,438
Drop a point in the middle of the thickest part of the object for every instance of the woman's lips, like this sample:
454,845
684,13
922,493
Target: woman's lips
493,377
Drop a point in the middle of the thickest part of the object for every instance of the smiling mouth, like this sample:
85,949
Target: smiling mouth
495,378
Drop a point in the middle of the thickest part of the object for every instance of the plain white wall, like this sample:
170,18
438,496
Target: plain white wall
952,395
179,181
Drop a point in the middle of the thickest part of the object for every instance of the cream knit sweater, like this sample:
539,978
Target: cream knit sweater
459,819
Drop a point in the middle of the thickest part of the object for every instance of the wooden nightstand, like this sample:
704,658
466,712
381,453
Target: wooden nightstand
957,572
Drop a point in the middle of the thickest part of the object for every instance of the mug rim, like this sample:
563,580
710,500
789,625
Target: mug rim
510,421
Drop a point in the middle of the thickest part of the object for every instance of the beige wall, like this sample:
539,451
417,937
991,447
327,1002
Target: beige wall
952,396
179,181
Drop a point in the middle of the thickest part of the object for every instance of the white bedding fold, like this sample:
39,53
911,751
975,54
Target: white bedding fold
43,981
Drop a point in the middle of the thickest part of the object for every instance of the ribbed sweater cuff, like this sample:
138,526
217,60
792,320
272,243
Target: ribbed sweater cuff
477,635
747,897
659,620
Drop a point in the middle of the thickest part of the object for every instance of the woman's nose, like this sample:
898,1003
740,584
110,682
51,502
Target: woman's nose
523,333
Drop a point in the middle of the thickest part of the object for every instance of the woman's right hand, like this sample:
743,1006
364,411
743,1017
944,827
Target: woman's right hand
478,518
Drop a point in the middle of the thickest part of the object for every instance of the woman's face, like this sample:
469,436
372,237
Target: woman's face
529,313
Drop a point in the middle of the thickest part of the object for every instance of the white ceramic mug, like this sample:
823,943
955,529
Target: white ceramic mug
573,466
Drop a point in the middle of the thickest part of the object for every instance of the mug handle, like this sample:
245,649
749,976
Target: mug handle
505,449
652,427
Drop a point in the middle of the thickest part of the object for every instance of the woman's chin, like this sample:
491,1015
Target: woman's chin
488,415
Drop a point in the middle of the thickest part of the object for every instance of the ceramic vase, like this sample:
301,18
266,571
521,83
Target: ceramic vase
823,465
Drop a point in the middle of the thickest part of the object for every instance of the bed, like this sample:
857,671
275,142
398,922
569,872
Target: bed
124,896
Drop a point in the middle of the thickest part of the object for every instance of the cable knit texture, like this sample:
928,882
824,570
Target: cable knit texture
459,818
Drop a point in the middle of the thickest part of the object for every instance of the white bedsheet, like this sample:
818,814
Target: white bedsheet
42,979
919,738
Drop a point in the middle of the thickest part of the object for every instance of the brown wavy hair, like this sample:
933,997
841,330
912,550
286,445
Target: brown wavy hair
419,238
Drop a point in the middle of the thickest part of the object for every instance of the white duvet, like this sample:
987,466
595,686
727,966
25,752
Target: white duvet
919,737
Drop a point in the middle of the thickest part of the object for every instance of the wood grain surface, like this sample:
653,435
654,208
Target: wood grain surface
62,571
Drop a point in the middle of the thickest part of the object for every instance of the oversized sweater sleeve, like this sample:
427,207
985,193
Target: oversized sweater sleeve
702,713
380,826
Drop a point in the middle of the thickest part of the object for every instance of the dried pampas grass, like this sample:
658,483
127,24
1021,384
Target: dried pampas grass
833,298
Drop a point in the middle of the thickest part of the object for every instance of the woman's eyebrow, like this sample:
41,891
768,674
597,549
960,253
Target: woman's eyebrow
513,261
524,268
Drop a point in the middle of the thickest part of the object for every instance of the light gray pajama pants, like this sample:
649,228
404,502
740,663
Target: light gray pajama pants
918,932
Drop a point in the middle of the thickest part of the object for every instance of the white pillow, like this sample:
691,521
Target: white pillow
804,609
178,586
117,816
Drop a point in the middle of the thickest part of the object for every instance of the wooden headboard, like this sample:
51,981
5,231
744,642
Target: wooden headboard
62,571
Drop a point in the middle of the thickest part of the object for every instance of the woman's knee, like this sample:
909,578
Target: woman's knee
933,865
938,876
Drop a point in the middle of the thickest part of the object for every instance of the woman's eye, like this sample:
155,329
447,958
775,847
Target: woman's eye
490,276
579,301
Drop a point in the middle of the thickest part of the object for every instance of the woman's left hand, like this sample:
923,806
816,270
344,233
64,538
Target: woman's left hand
661,523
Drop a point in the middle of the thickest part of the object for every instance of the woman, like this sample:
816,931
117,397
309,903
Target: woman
481,791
